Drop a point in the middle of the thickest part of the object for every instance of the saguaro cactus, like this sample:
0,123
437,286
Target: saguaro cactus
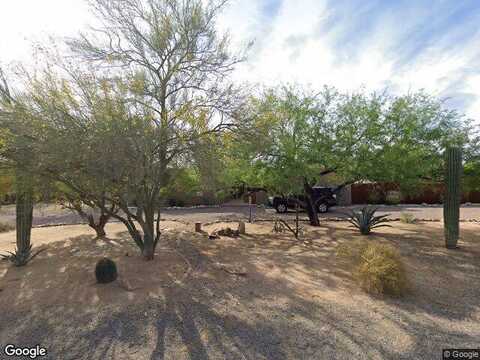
24,214
451,204
24,193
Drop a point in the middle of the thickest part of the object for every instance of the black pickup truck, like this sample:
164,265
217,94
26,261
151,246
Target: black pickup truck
323,197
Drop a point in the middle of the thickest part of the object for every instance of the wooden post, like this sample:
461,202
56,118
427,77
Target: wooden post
241,227
198,227
250,208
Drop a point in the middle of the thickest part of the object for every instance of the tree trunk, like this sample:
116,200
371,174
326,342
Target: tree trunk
99,229
296,221
100,226
149,235
310,205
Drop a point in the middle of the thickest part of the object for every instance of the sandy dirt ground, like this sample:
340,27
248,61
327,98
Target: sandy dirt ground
296,300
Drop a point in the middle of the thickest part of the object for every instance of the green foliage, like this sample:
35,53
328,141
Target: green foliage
407,218
7,182
365,219
378,268
471,176
105,271
375,197
6,227
453,194
294,134
182,189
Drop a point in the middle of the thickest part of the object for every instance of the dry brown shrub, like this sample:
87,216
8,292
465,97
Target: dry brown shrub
378,268
5,227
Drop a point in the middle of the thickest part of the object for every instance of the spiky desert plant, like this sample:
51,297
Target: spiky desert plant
365,219
21,258
451,204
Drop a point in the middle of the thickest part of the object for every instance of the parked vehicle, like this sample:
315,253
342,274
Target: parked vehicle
323,198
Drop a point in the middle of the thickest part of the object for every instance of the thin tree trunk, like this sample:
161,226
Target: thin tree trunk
149,235
296,220
309,205
99,226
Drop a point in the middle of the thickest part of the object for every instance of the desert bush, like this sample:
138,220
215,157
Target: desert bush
407,218
5,227
378,268
365,219
375,196
106,271
393,197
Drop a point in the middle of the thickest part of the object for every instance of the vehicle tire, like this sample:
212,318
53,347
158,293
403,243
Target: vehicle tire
281,208
322,208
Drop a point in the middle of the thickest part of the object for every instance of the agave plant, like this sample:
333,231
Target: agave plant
21,258
365,219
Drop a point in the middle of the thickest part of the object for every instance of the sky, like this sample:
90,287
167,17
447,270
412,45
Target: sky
398,45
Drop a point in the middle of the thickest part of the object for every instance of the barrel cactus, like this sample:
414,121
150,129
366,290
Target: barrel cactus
452,198
105,271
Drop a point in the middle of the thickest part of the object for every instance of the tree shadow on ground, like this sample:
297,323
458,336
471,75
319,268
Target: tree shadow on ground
297,301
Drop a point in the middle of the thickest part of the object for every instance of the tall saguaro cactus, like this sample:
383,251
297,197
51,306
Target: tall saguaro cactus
24,217
451,204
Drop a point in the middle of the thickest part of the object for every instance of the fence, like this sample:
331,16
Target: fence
428,194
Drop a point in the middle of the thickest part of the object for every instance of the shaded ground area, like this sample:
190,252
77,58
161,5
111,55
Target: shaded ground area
54,214
296,301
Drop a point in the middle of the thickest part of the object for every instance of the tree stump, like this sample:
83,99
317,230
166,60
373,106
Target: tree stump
241,227
198,227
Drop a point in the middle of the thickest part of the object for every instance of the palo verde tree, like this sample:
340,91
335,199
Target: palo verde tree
156,84
24,159
398,140
357,136
276,144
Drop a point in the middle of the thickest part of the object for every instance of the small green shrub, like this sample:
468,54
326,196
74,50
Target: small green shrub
407,218
5,227
393,198
105,271
365,219
378,268
375,197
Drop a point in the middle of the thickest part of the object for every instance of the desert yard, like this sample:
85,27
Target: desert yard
262,295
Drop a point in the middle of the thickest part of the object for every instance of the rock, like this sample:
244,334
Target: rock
233,269
228,232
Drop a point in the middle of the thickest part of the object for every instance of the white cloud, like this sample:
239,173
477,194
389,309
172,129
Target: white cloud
24,21
294,50
304,42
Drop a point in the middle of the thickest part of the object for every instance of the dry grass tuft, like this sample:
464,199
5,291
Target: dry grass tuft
6,227
378,268
408,218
